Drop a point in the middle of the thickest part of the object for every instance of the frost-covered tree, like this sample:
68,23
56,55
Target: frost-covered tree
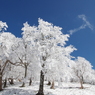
58,65
33,72
46,38
14,73
80,68
6,40
49,38
90,77
23,53
20,55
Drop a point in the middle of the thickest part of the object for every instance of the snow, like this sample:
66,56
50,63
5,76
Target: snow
65,89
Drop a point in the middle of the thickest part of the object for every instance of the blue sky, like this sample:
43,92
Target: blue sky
63,13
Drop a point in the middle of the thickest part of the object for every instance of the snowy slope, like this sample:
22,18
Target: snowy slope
65,89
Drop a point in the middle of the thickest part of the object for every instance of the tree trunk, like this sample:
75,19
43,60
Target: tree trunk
25,71
23,85
0,79
41,86
5,83
0,82
11,81
30,82
25,75
81,82
49,83
52,85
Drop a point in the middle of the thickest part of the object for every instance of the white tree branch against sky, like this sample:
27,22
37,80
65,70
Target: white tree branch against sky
83,26
3,25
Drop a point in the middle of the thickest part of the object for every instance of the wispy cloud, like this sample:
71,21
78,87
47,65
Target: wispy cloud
83,26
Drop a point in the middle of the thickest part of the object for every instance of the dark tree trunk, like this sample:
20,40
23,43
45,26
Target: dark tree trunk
5,83
25,71
23,84
11,81
52,85
81,83
30,82
49,83
0,79
40,92
0,82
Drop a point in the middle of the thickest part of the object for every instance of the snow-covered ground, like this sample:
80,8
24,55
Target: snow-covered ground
65,89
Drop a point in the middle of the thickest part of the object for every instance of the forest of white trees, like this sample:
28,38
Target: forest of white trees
41,54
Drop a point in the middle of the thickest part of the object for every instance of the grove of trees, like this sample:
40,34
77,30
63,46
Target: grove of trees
40,54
